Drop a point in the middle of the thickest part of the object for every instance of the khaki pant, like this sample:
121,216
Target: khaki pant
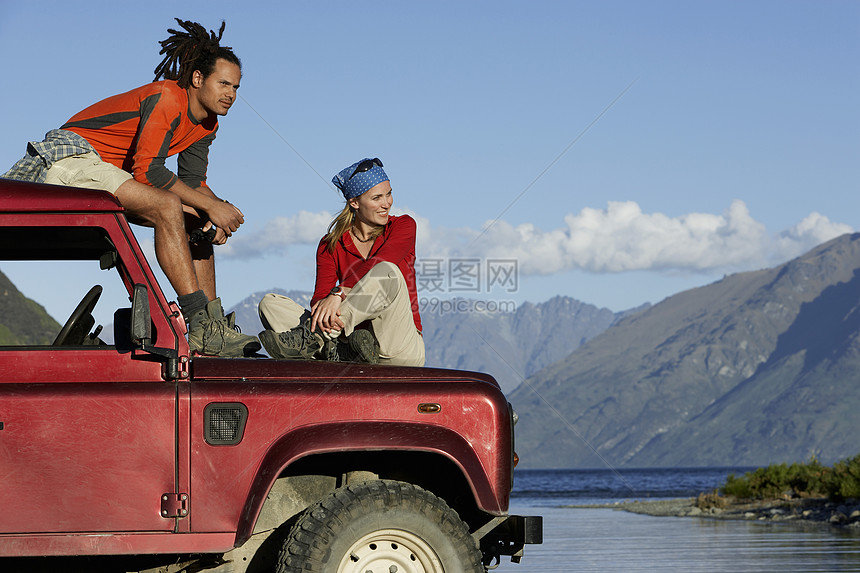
381,296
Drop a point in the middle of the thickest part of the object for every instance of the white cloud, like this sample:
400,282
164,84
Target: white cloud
623,238
303,228
813,230
620,237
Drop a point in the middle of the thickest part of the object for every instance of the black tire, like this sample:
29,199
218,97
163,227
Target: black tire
380,526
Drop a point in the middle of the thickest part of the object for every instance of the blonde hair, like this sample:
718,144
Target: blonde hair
342,224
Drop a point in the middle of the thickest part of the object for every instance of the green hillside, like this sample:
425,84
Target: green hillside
23,321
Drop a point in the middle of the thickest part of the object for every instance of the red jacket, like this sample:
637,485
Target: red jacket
345,266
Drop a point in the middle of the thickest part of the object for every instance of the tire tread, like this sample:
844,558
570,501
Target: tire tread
307,546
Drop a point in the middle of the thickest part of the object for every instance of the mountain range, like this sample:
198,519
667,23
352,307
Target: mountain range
760,367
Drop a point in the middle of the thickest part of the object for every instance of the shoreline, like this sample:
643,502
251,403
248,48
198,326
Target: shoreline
845,515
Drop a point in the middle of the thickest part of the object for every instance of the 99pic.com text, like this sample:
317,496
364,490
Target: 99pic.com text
443,306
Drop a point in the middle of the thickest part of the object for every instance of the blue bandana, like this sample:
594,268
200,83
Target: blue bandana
360,183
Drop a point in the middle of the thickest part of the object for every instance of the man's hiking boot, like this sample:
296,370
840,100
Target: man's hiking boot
210,333
298,343
360,346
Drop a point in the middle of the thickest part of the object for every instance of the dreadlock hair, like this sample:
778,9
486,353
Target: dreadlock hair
193,49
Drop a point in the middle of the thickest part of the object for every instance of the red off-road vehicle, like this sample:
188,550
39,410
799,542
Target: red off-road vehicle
133,447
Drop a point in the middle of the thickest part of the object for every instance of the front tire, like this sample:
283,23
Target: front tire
380,526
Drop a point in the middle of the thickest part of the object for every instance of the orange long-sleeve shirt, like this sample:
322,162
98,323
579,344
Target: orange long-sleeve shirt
138,130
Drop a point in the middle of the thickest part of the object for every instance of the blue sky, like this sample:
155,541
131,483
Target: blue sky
618,151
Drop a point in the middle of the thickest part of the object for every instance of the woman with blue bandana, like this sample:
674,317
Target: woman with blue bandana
365,302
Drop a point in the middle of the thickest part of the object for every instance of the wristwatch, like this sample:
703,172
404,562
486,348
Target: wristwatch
338,290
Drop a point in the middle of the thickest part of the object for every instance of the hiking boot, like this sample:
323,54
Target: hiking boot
360,346
298,343
209,333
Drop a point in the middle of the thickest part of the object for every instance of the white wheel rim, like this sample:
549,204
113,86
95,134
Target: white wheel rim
390,551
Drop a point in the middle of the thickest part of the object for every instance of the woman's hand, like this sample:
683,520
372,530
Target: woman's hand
326,314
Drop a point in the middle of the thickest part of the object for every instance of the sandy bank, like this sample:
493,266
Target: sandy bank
814,511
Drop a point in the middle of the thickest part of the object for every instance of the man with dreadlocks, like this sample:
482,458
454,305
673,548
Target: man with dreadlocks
120,145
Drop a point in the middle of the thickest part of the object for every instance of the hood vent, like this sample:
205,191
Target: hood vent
224,423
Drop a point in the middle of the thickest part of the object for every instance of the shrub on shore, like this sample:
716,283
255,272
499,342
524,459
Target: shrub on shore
805,480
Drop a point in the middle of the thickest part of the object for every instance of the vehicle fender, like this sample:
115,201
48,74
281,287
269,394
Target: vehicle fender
364,436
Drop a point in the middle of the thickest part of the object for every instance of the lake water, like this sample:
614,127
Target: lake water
608,540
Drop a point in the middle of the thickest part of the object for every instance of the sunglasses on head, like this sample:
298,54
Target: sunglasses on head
366,165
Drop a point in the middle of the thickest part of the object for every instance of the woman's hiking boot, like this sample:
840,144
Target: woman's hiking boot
360,346
300,343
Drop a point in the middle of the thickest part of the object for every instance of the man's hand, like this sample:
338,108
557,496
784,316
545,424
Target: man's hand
225,216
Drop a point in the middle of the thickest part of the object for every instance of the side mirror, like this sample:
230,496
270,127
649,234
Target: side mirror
141,334
141,322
